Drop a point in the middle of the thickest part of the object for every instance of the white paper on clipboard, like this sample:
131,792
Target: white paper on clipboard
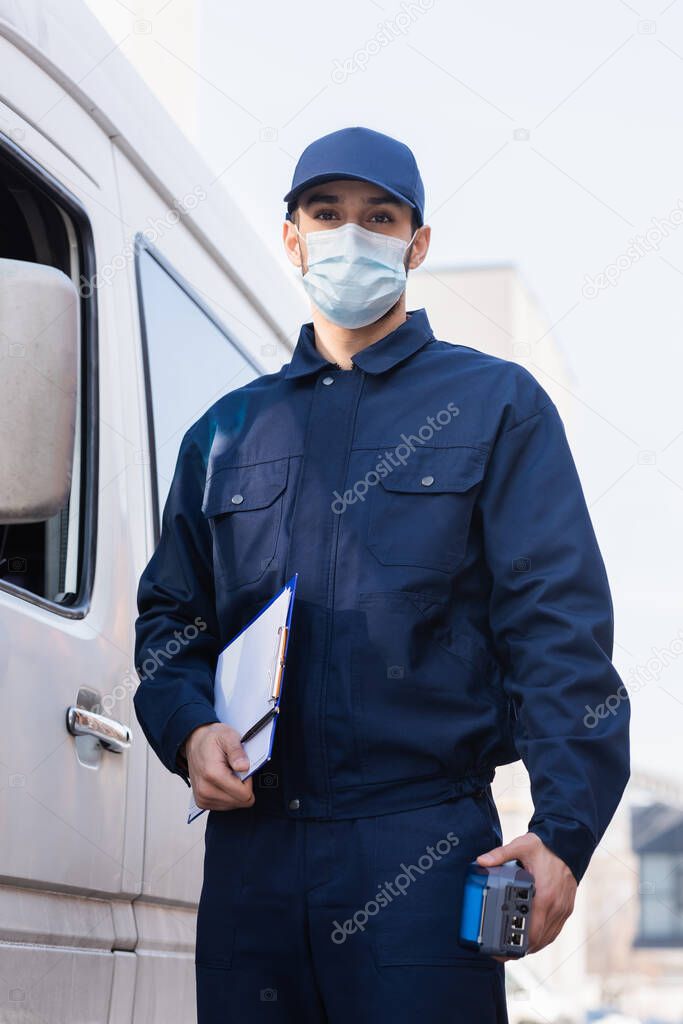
247,672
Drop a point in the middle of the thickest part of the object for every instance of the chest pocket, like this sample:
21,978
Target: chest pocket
244,507
420,513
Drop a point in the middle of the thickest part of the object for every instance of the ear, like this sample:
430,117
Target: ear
420,247
291,243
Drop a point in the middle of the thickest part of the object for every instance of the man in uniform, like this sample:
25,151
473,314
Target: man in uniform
452,614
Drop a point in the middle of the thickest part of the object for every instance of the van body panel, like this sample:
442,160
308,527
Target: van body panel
73,839
99,873
65,38
165,989
47,657
165,978
44,108
58,985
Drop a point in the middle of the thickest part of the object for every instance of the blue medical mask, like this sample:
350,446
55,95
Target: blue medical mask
354,275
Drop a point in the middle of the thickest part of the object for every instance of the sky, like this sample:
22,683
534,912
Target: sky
548,136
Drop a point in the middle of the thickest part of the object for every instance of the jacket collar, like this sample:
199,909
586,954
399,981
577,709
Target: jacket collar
384,353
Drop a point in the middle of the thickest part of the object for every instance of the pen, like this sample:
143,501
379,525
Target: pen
259,725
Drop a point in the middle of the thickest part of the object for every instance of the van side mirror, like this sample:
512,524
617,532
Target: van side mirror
39,332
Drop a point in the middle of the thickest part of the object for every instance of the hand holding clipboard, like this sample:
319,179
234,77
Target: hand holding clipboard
248,681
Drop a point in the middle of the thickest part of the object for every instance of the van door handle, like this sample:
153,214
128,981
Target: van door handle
113,735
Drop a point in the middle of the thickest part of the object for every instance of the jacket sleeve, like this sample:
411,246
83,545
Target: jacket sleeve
552,621
176,632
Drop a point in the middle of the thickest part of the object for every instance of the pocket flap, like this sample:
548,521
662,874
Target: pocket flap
242,488
434,470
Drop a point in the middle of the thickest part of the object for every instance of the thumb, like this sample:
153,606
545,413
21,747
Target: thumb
234,751
500,854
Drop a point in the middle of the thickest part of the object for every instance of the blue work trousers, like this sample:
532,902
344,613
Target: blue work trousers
344,921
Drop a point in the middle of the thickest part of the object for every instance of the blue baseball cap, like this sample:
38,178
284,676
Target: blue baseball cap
363,155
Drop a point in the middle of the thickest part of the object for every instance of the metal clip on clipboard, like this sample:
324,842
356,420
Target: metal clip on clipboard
275,691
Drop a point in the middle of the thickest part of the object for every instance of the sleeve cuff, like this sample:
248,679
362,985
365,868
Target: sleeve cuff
568,839
181,723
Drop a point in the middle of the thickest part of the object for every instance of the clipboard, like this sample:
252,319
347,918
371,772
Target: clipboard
248,681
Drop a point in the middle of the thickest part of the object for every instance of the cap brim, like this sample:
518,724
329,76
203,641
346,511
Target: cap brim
318,179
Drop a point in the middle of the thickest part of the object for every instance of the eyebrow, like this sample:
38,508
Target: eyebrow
326,197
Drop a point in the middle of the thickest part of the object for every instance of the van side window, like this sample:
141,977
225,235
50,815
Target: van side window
40,223
190,360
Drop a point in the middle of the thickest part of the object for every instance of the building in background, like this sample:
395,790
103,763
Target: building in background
635,895
491,308
167,60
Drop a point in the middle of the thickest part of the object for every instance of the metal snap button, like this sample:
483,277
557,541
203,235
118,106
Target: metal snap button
237,499
427,480
294,805
328,380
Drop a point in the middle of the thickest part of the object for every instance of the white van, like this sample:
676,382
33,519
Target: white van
133,294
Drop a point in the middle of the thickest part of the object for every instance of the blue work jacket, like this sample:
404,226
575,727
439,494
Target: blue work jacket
452,611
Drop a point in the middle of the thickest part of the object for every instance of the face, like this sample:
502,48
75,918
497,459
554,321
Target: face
327,206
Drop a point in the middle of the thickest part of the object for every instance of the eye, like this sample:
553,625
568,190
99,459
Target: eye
382,218
325,215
